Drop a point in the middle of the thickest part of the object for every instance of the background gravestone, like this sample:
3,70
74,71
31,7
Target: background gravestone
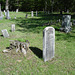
48,43
32,14
7,15
66,23
13,27
26,15
36,13
5,12
1,16
16,10
5,33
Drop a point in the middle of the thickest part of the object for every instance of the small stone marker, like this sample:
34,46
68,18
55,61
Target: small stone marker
26,15
5,33
1,16
36,13
73,22
16,10
13,27
15,17
0,9
32,14
5,12
7,15
48,43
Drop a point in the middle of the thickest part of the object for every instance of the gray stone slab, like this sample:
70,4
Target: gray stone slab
13,27
1,17
32,14
36,13
17,10
5,33
66,23
73,22
7,15
48,43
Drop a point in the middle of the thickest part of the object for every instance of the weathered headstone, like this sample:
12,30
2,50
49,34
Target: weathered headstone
66,25
15,17
32,14
48,43
7,15
26,15
1,16
36,13
73,22
5,12
0,9
13,27
67,11
16,10
5,33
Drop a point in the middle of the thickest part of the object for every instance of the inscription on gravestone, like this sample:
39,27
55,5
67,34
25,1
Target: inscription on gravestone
13,27
5,33
48,43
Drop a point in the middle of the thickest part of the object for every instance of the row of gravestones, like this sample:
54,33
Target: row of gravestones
5,32
48,41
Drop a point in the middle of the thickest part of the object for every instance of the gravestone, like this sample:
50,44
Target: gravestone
0,9
1,16
32,14
48,43
15,17
16,10
7,15
36,13
5,12
73,22
13,27
67,11
66,25
26,15
5,33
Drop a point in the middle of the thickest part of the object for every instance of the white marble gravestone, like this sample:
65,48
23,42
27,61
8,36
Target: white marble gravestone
48,43
32,14
36,13
16,10
5,12
7,15
13,27
5,33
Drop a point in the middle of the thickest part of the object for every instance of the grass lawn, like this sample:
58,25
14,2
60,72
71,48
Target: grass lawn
32,29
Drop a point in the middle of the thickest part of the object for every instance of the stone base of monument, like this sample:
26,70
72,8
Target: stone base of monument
66,30
1,17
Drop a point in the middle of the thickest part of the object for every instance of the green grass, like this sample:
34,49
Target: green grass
32,29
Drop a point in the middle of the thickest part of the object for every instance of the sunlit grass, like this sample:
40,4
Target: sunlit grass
32,29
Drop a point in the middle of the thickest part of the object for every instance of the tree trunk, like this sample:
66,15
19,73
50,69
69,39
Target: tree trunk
7,5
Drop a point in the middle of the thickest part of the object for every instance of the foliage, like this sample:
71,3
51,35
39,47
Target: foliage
47,5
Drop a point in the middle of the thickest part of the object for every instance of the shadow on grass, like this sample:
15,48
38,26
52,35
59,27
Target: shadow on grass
38,52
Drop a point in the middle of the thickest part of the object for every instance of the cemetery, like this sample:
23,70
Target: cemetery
36,42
